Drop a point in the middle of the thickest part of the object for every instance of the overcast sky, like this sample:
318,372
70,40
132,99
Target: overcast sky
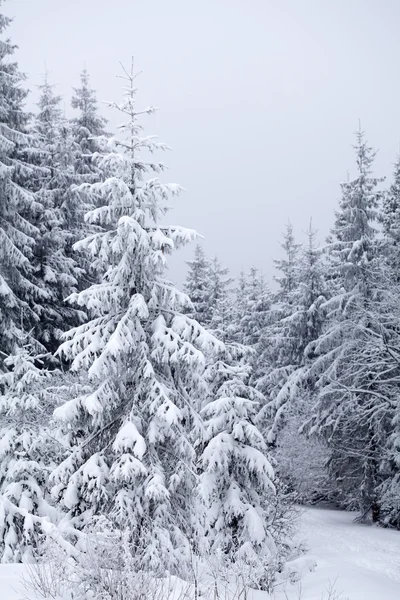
259,100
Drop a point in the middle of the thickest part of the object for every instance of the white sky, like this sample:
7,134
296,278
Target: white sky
259,100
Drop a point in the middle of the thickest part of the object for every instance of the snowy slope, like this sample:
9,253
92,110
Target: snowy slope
364,560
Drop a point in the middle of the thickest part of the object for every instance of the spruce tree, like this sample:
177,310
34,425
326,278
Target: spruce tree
88,126
57,273
133,454
287,266
28,453
237,483
257,302
348,410
20,297
278,354
197,286
390,218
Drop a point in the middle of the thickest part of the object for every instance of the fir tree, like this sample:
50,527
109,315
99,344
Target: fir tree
237,479
221,323
256,305
133,454
20,297
197,286
57,274
219,282
88,127
348,410
239,308
288,381
279,354
88,130
390,218
287,266
27,456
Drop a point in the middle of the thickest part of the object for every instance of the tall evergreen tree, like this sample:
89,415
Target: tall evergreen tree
88,127
301,461
56,272
287,266
237,479
87,130
257,303
219,282
20,297
390,218
278,354
197,286
133,456
348,410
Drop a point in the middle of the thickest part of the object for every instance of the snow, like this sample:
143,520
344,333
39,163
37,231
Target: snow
363,562
11,586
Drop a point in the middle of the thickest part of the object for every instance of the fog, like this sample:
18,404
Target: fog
259,100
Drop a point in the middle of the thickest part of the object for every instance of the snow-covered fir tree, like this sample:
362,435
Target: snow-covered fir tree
133,454
256,306
348,410
277,354
237,482
287,265
28,454
88,126
20,297
390,218
295,324
56,272
84,134
239,308
208,287
197,286
219,282
221,324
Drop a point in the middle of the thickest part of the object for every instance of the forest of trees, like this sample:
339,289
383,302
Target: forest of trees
325,348
166,426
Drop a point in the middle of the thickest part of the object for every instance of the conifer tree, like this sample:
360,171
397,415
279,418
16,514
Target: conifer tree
197,286
239,308
27,455
207,285
133,453
56,272
278,354
88,126
349,413
287,266
87,130
20,297
237,479
390,218
300,460
257,301
221,324
219,282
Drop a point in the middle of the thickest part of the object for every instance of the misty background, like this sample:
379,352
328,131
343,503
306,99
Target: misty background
258,99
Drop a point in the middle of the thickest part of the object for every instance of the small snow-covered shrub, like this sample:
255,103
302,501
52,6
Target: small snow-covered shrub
105,569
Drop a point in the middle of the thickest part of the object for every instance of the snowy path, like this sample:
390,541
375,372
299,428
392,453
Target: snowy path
364,560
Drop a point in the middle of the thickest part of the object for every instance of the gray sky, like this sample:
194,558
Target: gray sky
259,100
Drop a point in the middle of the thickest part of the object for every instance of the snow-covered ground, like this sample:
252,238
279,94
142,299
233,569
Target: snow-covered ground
362,561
